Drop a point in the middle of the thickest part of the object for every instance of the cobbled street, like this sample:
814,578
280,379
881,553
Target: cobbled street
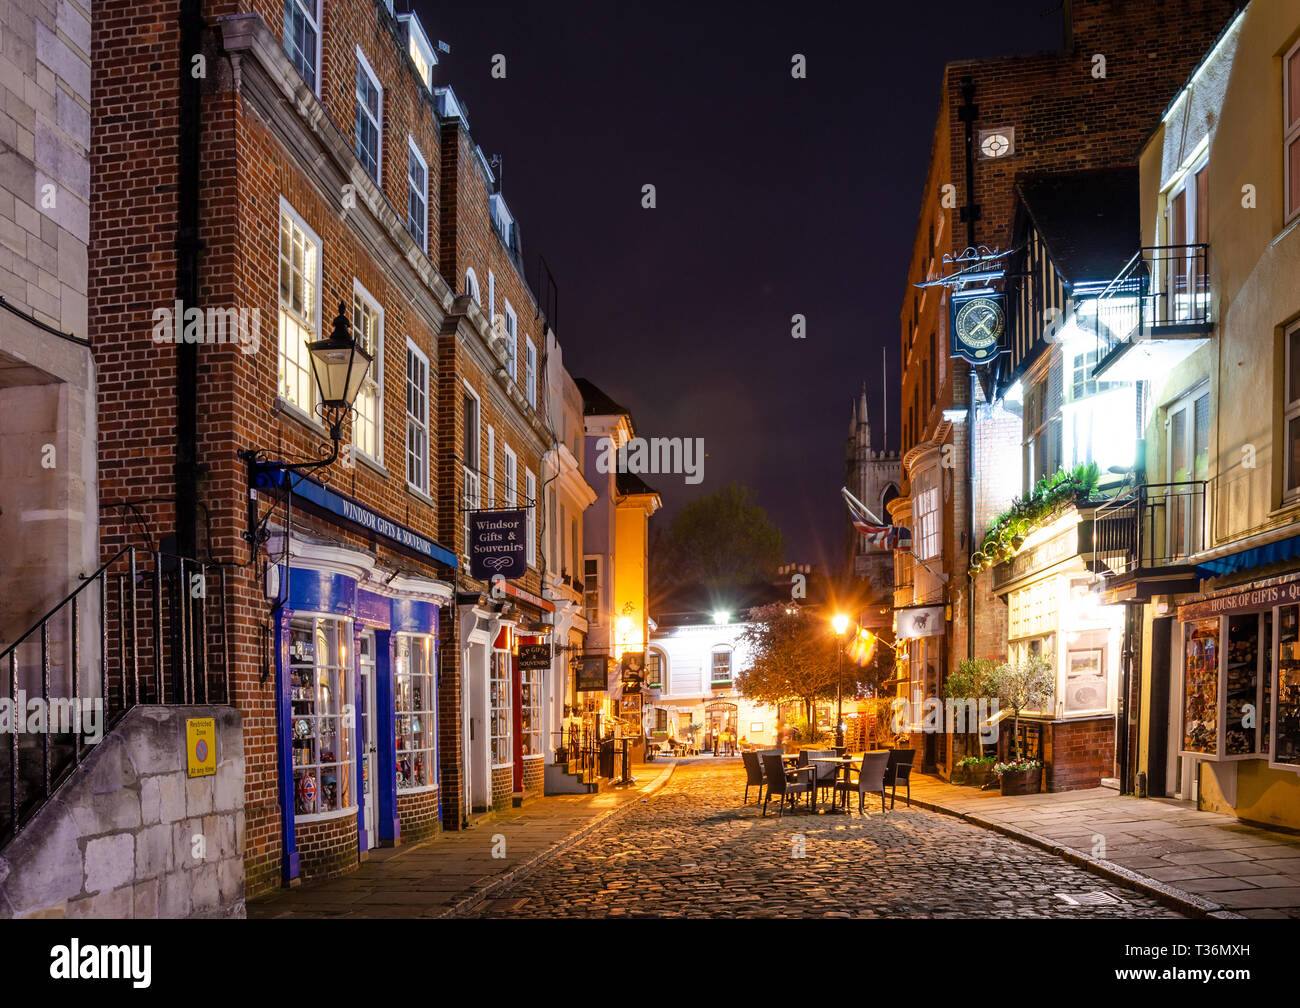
693,850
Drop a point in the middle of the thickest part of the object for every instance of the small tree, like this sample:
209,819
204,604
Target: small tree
974,679
1024,685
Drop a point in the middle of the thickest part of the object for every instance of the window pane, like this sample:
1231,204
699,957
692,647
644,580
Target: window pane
1293,88
1293,177
1293,453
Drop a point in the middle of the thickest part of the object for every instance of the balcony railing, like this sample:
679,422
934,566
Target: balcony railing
1163,289
1154,526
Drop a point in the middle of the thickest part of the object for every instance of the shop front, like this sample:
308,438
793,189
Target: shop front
1238,701
356,659
1056,612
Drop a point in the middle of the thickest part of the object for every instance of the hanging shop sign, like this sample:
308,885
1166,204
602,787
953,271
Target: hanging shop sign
498,544
920,621
322,498
978,323
534,656
593,673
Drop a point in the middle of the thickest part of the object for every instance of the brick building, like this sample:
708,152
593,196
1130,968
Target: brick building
307,170
1090,104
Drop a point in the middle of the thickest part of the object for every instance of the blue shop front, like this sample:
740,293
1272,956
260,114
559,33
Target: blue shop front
356,657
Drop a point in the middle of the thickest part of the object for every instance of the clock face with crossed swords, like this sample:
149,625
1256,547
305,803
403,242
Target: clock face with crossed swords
980,322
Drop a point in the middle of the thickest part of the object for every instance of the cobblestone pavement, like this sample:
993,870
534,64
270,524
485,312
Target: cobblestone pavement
694,851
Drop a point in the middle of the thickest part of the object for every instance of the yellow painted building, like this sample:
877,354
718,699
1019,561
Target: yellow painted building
1207,318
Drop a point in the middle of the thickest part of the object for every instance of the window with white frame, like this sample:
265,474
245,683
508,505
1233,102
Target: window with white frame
1291,417
368,330
530,493
512,342
469,455
302,38
721,666
368,116
417,195
319,693
417,418
299,306
1291,130
499,708
591,589
530,372
471,286
414,710
654,669
490,468
530,711
509,479
926,507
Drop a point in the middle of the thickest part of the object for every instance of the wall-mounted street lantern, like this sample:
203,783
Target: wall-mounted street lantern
339,366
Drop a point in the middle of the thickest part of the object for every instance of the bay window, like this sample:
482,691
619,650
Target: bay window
414,703
499,708
321,728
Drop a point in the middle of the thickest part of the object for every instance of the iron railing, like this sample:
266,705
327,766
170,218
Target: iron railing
1154,525
1163,287
146,628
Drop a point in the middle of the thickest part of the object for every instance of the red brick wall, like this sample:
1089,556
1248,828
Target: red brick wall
328,849
502,786
418,814
1078,754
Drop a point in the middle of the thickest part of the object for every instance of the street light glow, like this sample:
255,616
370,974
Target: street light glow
840,623
721,617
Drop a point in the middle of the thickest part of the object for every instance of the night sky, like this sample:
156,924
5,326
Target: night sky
775,197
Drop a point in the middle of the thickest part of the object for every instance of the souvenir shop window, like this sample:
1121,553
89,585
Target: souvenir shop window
499,708
413,693
530,706
321,735
1201,687
1242,681
1286,727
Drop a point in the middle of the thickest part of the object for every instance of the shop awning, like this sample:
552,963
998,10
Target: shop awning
1274,552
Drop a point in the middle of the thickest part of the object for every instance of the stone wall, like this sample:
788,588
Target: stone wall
129,834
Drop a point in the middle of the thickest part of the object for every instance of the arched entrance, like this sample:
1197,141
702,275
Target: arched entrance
720,726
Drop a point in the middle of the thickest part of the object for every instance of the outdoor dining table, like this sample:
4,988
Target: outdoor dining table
842,762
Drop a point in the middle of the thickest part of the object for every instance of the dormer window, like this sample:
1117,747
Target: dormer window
419,49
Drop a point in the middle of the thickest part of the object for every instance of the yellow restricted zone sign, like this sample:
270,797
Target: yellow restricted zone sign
201,746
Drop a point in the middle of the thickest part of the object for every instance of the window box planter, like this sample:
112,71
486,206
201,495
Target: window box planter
1025,777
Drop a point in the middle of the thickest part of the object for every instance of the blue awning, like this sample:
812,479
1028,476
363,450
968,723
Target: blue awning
1274,552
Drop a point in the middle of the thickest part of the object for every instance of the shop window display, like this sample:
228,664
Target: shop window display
413,691
530,696
322,737
1201,687
1241,687
499,708
1287,728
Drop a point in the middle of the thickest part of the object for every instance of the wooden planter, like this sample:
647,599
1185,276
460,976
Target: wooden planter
1021,782
978,775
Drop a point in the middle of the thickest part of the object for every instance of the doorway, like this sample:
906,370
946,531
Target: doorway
369,741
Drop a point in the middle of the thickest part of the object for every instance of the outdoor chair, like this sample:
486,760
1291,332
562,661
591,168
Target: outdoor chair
899,770
753,774
779,785
871,779
826,773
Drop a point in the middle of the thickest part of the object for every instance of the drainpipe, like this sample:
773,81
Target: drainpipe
967,113
188,247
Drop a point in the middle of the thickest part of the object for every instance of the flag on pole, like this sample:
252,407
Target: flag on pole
889,537
862,647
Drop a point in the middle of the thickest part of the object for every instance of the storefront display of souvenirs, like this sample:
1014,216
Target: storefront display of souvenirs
1288,686
1242,684
1201,687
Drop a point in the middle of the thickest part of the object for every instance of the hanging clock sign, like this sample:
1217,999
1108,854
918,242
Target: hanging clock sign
978,323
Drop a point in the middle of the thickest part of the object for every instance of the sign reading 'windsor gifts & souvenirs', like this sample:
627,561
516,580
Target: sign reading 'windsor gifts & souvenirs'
498,544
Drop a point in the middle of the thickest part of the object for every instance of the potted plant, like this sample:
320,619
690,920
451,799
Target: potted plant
1020,776
1024,685
975,770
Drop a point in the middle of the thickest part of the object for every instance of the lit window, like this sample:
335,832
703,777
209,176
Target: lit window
721,665
654,669
530,711
997,143
499,708
417,418
319,687
302,37
926,507
1291,143
299,306
369,101
368,329
530,492
591,589
414,710
417,197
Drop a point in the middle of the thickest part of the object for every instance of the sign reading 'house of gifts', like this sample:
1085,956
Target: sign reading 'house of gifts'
498,544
